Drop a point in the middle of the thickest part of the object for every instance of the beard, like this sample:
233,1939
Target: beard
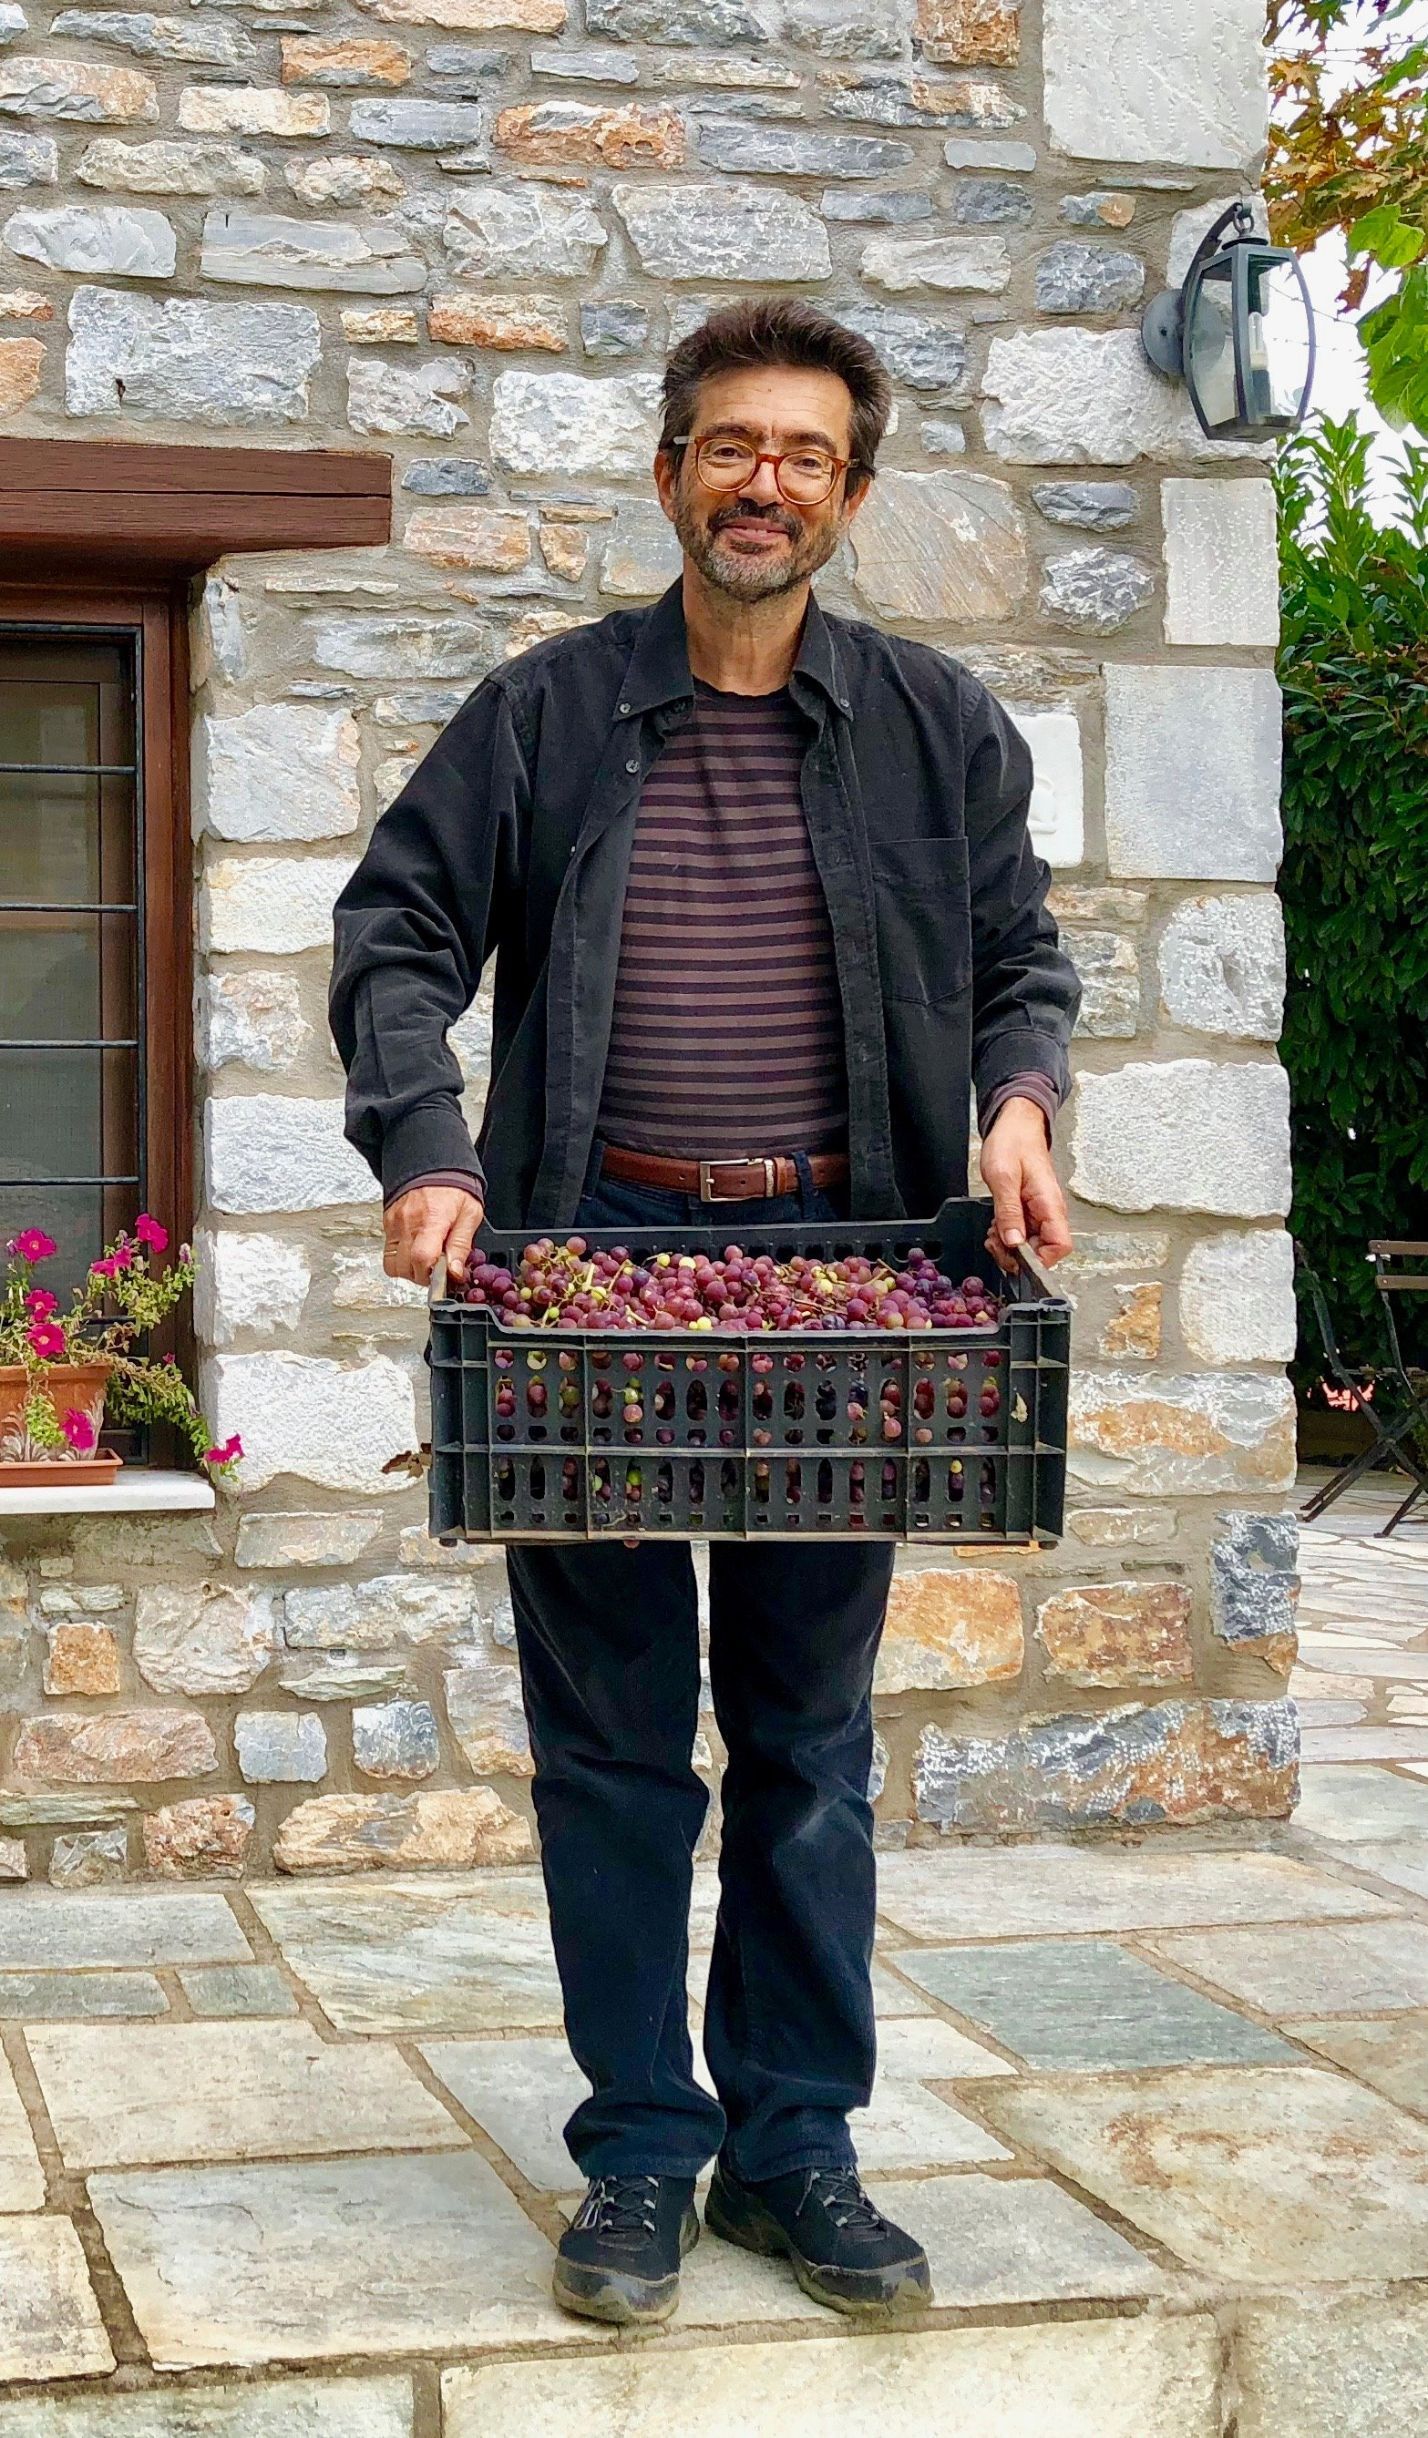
744,575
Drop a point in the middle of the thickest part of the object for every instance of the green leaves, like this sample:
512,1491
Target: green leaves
1384,233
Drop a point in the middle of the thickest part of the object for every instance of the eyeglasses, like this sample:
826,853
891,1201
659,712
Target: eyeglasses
804,476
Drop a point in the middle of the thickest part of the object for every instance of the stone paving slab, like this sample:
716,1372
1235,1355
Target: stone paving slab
1332,2369
129,2097
1367,1743
1359,1806
50,2326
1401,1860
520,2092
442,1954
1265,2174
1389,2052
1021,2239
1085,2002
28,1997
1036,1890
935,2052
908,2126
1140,2378
278,2408
22,2179
322,2259
43,1928
1346,1968
237,1990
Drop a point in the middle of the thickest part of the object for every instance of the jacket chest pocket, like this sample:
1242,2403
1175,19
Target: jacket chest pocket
923,900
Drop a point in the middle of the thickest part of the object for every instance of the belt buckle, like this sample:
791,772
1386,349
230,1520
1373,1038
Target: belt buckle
708,1192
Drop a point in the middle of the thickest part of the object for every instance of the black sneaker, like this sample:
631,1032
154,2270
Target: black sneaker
844,2252
619,2257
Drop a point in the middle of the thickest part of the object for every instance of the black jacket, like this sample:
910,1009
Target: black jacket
512,837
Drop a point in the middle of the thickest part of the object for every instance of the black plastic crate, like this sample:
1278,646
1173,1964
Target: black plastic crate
764,1435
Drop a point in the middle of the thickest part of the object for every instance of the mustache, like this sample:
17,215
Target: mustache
760,516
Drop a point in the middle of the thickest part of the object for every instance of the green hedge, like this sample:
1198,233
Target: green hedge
1354,668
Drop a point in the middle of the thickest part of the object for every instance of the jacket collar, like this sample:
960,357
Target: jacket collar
657,670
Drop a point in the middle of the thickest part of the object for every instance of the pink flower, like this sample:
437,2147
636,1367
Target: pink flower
47,1341
229,1453
122,1258
39,1303
150,1233
107,1268
32,1244
78,1429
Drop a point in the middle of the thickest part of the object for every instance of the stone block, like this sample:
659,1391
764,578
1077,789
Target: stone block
81,1600
248,1282
509,323
1188,85
587,65
524,232
1165,1435
91,1859
1222,562
886,207
148,37
1254,1588
487,1716
1109,972
443,478
580,135
962,152
840,29
939,548
691,24
1192,773
612,327
315,59
30,160
890,97
1237,1300
1184,1134
380,326
642,556
1103,209
396,1739
1179,1761
1097,591
14,1861
385,1613
416,124
1072,277
1347,2365
565,549
458,1829
327,1539
797,152
271,1152
206,1837
94,238
235,1990
949,1628
1117,1634
407,397
338,1426
1057,811
983,202
969,33
72,89
1100,507
1087,397
941,438
1136,1327
402,647
346,178
279,771
1120,1527
1088,2005
979,265
570,423
22,361
250,1019
115,1748
166,168
723,232
252,110
281,1747
81,1656
1222,967
336,1678
188,361
360,1284
917,349
476,16
201,1639
458,533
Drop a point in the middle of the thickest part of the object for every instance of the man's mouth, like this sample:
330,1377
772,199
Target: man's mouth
746,528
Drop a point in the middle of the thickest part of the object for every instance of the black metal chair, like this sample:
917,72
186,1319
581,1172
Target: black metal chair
1393,1423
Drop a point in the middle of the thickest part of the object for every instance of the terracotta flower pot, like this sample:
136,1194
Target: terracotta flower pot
24,1463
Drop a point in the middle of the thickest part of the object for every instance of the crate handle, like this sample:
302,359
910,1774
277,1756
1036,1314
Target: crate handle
438,1284
1041,1277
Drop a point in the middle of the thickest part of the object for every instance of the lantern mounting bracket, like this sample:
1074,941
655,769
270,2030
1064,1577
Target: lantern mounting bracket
1162,329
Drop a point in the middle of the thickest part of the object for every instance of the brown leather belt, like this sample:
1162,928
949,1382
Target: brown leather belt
723,1180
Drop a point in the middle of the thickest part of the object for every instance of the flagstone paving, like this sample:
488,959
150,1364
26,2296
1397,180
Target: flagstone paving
291,2154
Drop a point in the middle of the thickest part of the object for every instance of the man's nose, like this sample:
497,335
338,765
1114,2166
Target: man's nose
762,487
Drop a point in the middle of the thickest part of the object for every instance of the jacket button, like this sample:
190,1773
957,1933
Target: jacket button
623,709
632,766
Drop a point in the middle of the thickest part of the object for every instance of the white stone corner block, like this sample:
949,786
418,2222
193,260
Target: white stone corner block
280,770
1222,966
1237,1298
333,1424
1221,560
1186,1134
1157,82
266,1152
1193,760
270,905
1058,796
247,1282
1074,397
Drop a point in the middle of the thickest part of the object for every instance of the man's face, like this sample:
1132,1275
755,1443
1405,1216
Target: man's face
752,543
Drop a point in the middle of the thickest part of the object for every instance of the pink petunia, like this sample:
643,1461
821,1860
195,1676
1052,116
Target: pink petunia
32,1244
39,1303
47,1341
78,1430
150,1233
229,1453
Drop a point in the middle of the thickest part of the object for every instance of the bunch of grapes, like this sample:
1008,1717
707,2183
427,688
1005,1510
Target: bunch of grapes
568,1286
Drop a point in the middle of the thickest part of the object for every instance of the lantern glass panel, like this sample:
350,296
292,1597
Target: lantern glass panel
1210,345
1277,352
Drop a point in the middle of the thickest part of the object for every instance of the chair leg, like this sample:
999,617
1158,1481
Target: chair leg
1418,1491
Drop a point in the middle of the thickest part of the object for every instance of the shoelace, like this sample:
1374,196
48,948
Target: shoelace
621,2206
841,2193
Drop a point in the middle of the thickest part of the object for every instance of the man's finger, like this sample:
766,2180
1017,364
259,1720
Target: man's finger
1046,1210
463,1236
428,1241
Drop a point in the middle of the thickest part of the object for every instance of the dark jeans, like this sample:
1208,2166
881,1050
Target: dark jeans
609,1653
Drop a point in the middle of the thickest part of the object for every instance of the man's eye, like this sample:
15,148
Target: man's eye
726,453
809,461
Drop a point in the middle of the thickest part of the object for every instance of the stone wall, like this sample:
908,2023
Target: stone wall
468,229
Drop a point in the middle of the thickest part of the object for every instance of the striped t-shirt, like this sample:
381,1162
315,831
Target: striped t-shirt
727,1036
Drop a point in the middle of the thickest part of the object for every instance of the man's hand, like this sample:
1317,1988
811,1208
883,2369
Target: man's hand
1017,1171
419,1225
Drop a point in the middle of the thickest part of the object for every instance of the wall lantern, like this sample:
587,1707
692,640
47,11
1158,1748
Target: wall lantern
1239,333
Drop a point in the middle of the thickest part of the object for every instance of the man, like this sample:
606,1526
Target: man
763,907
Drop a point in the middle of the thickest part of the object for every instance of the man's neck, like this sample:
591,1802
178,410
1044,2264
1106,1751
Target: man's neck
742,647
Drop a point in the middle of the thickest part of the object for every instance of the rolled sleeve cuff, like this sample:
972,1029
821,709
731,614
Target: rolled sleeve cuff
430,1139
1038,1088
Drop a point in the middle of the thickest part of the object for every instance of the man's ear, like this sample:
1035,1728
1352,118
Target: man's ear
853,500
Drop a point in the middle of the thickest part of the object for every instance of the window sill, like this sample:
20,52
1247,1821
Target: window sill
137,1490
